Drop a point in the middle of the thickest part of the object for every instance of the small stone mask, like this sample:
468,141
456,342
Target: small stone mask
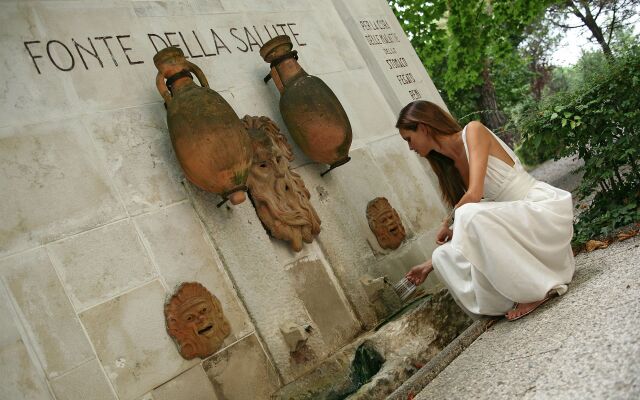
385,223
195,321
279,195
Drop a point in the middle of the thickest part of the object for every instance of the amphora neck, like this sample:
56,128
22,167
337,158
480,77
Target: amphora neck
287,72
179,80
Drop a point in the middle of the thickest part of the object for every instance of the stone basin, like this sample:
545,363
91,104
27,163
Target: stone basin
379,361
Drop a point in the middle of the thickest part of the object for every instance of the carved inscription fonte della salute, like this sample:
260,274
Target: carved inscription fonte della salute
85,53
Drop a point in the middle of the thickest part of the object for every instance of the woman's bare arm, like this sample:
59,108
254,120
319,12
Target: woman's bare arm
478,144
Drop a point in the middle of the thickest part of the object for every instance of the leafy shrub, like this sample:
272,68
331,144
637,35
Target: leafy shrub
599,121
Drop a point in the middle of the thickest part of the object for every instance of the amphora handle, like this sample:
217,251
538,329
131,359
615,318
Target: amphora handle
199,74
163,89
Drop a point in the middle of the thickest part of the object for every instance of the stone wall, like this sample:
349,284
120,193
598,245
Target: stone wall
99,225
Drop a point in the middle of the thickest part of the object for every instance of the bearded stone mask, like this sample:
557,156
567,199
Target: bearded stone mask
385,223
279,195
195,321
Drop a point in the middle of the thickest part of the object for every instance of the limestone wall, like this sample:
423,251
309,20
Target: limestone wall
98,225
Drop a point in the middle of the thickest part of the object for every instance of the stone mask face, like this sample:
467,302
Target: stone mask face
279,195
385,223
195,321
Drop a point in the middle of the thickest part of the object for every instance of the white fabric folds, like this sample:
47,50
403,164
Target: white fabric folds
513,247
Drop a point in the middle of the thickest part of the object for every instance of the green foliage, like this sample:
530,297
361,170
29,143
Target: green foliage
470,47
604,216
457,39
600,121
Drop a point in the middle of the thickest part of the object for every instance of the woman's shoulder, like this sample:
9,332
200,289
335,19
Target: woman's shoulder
475,126
476,131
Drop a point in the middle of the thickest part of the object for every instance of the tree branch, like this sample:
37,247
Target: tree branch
599,11
566,26
611,26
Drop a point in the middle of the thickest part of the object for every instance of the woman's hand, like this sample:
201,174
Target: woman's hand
444,235
419,273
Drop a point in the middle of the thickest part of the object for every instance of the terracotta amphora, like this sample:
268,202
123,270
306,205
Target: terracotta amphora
312,112
211,143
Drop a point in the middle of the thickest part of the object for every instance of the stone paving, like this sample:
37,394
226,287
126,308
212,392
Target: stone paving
583,345
562,173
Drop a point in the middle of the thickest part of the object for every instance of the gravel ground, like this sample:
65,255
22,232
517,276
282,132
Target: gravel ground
560,173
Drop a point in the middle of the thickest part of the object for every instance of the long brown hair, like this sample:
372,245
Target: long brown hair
439,122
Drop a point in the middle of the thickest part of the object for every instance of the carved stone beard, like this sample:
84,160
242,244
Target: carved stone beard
279,194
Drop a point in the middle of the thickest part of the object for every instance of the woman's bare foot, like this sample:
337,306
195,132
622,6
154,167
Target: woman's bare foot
523,309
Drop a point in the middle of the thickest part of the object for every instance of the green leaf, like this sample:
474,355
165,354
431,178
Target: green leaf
553,116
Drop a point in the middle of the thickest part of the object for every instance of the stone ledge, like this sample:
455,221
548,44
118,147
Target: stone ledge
428,372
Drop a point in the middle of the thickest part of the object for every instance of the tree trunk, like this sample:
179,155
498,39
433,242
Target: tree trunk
541,77
590,22
492,117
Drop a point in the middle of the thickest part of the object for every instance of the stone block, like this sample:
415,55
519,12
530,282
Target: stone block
48,317
29,94
417,192
20,375
252,5
112,63
360,7
368,112
338,36
362,180
287,256
217,44
416,251
387,51
84,382
207,6
135,145
98,265
180,248
373,286
295,335
256,99
130,338
242,371
190,385
156,8
57,186
342,239
323,45
326,304
258,275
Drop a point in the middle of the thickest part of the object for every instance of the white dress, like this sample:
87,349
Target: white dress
514,246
